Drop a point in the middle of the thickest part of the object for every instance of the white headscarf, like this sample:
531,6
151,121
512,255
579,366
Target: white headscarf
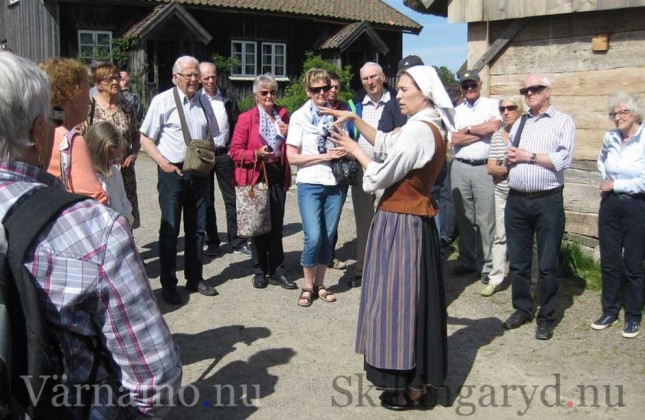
428,81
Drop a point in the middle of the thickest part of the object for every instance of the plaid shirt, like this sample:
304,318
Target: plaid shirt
93,284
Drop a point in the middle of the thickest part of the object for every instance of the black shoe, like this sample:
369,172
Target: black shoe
605,321
461,270
516,320
387,401
260,281
356,282
243,249
203,288
544,331
213,251
171,296
484,279
280,280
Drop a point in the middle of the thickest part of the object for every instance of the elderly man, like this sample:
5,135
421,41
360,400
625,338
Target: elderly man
476,119
541,149
226,113
369,103
163,141
85,268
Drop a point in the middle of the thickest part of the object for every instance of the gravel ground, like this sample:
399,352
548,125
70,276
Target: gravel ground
255,353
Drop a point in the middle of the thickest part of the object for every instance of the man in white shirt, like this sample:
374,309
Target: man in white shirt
369,104
226,113
162,139
476,119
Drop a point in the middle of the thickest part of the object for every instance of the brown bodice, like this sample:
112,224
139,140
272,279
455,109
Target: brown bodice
411,195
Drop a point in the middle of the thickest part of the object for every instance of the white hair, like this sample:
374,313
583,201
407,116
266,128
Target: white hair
176,68
208,63
545,80
24,96
371,64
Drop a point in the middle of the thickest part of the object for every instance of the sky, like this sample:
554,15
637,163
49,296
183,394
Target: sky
440,43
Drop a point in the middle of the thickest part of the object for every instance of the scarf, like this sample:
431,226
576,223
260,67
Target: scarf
268,133
309,118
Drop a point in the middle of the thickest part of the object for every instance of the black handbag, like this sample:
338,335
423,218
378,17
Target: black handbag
346,170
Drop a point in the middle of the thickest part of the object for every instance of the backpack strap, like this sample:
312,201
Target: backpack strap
25,220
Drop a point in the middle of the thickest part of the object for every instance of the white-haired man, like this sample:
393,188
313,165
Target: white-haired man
85,269
163,141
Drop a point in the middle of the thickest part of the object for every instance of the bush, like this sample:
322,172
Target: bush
577,264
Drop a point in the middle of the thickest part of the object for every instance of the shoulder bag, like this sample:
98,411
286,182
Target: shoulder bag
252,206
200,156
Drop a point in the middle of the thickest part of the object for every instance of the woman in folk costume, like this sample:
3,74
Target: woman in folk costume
402,316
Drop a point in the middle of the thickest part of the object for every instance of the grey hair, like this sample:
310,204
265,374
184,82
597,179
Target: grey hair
264,80
208,63
516,100
545,80
631,100
176,68
24,96
371,64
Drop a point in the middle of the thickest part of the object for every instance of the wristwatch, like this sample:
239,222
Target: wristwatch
533,158
468,130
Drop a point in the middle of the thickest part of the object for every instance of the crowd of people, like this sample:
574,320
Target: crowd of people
423,153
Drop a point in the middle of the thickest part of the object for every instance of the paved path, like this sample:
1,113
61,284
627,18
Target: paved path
255,353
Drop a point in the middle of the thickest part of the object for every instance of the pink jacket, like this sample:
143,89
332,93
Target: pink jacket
246,140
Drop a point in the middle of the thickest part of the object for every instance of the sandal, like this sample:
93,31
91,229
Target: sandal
306,298
324,294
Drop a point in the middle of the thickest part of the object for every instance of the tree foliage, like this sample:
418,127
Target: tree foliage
223,64
121,48
447,77
295,95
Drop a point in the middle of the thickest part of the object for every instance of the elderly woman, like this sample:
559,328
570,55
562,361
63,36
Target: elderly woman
71,161
402,315
108,105
511,109
260,136
621,219
320,198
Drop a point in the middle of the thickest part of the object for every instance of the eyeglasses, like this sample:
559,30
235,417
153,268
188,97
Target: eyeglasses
532,89
370,78
208,77
319,89
266,92
189,76
620,114
509,107
466,86
111,79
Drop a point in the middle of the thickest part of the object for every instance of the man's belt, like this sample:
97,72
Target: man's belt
536,194
219,151
473,162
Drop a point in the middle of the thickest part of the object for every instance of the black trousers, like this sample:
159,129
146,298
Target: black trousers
267,251
225,173
621,235
523,218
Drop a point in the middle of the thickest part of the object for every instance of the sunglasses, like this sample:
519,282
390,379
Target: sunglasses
509,107
266,92
532,89
466,86
320,89
112,78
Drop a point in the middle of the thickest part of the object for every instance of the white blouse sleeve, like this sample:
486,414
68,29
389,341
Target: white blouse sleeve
411,148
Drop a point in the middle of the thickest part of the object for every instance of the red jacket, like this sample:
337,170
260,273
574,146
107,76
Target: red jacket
246,140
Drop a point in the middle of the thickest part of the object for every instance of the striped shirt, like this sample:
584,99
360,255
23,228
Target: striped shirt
371,114
553,133
93,284
466,115
497,151
625,165
162,123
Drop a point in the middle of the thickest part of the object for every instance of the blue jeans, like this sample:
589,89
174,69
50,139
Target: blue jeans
320,207
523,218
176,193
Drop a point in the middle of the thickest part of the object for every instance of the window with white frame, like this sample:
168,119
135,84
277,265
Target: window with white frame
245,55
274,58
95,45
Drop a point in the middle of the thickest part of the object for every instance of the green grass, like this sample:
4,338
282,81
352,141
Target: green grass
576,263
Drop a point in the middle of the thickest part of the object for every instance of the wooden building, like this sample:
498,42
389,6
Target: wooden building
588,48
264,36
